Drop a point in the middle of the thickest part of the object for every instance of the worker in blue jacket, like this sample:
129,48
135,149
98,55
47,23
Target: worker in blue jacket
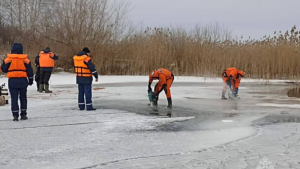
20,75
85,70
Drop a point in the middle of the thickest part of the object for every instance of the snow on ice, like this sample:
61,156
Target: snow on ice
259,130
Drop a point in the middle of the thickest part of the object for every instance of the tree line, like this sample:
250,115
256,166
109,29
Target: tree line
120,48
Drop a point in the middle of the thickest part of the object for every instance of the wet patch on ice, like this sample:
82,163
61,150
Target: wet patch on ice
260,97
193,98
282,118
111,120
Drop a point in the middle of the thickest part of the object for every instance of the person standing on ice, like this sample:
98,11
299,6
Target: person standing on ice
165,82
37,74
85,70
20,75
232,79
46,61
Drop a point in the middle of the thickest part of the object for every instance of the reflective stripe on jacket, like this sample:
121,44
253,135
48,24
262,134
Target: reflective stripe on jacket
81,68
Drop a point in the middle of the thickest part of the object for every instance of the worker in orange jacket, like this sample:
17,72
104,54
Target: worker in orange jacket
85,70
231,78
165,82
20,75
46,62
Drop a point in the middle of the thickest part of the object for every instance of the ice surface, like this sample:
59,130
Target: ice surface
205,132
280,105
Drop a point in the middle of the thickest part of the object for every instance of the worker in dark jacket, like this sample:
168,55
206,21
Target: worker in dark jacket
46,62
85,70
20,75
37,74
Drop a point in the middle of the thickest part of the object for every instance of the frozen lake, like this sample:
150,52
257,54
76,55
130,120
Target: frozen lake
261,129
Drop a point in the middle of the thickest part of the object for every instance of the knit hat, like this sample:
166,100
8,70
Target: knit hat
86,50
17,48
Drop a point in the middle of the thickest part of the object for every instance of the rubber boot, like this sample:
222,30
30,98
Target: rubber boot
24,117
41,88
47,89
169,113
223,95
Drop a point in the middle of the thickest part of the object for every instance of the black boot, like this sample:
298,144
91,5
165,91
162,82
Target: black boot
169,107
223,95
16,118
24,117
92,109
170,103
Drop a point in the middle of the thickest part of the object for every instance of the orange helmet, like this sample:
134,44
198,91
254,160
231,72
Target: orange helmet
242,73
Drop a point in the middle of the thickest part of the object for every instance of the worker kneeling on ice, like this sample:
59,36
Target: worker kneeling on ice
166,79
85,70
232,79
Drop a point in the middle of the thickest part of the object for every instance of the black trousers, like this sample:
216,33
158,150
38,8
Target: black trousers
45,77
37,77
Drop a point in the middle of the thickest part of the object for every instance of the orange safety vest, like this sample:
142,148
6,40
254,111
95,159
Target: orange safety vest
81,68
46,59
17,67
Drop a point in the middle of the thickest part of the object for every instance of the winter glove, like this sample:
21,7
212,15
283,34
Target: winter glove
30,81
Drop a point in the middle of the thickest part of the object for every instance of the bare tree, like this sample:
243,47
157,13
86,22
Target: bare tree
76,23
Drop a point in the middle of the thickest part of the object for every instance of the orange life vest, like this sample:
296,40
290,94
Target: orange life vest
17,67
46,59
81,68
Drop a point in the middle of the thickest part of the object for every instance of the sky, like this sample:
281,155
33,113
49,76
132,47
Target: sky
254,18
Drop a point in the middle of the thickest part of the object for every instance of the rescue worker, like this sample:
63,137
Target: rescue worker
165,82
20,75
37,74
46,62
85,70
232,79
